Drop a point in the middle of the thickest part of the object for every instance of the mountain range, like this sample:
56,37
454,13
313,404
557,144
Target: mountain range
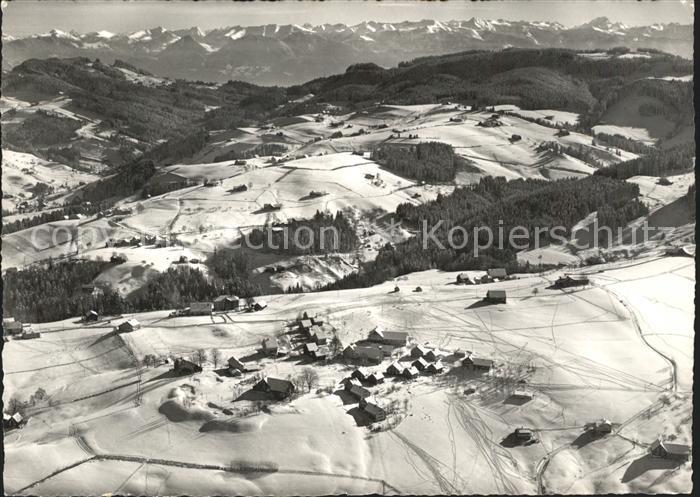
276,54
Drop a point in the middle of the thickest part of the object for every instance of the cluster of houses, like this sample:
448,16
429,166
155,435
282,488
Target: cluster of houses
10,422
491,122
221,303
18,330
379,344
317,337
135,241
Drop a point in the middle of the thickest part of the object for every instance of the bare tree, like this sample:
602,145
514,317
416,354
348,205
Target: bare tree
215,355
309,378
200,357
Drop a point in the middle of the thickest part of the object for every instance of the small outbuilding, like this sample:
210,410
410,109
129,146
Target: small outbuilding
667,450
91,317
496,296
201,308
128,326
184,367
478,363
278,388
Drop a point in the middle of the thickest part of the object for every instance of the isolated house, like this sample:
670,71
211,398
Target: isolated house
128,326
602,426
279,389
226,303
29,334
497,273
669,451
496,296
394,369
201,308
571,280
395,338
523,395
270,346
259,305
523,434
478,363
91,317
185,367
420,364
11,422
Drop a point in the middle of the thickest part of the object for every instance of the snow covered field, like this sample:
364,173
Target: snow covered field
603,350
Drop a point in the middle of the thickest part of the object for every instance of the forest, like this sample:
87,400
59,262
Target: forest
658,162
323,233
496,204
432,162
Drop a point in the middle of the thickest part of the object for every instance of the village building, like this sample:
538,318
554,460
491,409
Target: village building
361,374
602,426
359,391
478,363
184,367
11,422
284,345
395,338
375,412
667,450
432,355
259,305
305,325
29,334
201,308
10,326
167,182
375,377
322,352
420,364
394,369
226,303
349,381
523,434
234,363
279,389
319,335
270,346
465,279
364,354
435,367
497,273
569,280
522,395
410,373
496,296
419,351
128,326
310,348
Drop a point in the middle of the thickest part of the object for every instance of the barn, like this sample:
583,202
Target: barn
496,296
667,450
478,363
226,303
185,367
497,273
201,308
128,326
395,338
394,369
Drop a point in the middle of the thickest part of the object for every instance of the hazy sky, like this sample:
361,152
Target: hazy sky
24,17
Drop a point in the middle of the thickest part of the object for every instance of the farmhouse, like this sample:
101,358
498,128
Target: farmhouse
395,338
496,296
375,412
234,363
669,451
359,391
128,326
364,354
185,367
321,352
375,377
11,327
226,303
201,308
361,374
497,273
523,434
602,426
279,389
478,363
318,335
569,280
465,279
305,325
259,305
349,381
523,395
14,421
394,369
